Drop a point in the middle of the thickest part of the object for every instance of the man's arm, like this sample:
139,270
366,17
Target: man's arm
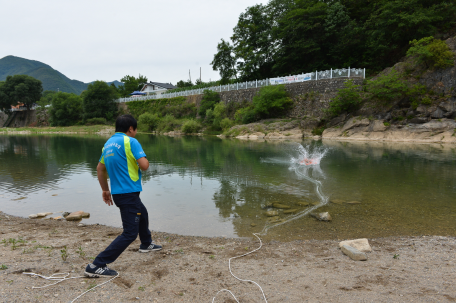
102,174
143,163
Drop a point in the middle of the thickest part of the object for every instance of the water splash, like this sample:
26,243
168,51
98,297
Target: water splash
305,163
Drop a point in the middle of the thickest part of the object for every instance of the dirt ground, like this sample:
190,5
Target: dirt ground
194,269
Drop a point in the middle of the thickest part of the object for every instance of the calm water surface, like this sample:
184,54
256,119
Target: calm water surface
213,187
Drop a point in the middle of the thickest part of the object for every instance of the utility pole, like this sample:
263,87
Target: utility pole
189,76
200,74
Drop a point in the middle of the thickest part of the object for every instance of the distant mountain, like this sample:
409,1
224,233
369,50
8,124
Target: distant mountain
51,78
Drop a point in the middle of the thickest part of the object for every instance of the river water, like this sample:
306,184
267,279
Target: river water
207,186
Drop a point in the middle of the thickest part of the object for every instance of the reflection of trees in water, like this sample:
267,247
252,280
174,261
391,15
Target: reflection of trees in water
29,163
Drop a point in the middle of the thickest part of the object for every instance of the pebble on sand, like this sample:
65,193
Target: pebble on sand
281,206
290,211
322,216
272,213
353,202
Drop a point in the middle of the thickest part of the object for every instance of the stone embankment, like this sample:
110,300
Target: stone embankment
354,129
363,129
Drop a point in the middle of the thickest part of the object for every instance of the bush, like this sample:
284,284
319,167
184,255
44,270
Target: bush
148,121
388,87
96,121
66,109
346,100
432,52
426,100
271,101
209,119
191,126
209,100
219,114
168,123
318,131
226,123
245,115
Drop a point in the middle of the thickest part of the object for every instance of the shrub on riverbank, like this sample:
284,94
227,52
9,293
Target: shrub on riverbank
148,122
177,107
191,126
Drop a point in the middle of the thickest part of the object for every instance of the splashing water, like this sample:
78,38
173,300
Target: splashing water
305,163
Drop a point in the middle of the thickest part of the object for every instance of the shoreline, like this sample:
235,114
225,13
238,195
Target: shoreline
355,130
194,269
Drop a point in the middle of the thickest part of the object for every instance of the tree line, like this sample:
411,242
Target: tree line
294,36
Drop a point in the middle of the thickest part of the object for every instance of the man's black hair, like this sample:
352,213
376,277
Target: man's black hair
124,122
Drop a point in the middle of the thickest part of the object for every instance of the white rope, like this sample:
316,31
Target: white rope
242,280
94,288
59,278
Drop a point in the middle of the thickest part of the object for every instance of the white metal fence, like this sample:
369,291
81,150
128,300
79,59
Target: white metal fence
317,75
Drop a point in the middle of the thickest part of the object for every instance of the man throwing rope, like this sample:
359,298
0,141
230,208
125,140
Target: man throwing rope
122,158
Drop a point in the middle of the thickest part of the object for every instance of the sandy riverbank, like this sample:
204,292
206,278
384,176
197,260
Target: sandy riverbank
193,269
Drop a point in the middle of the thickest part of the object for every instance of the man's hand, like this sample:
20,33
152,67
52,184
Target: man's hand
107,197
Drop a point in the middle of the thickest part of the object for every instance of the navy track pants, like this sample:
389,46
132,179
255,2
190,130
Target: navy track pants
135,220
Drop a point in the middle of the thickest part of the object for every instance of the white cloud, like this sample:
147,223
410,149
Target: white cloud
106,40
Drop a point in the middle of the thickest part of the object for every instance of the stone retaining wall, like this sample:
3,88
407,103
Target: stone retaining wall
310,97
23,118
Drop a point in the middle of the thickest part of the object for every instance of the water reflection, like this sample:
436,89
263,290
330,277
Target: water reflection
209,186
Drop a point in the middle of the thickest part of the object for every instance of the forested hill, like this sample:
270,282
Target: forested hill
294,36
51,78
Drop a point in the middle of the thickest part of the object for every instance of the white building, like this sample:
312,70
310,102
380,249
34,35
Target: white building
156,88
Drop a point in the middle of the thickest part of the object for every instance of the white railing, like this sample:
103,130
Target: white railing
314,76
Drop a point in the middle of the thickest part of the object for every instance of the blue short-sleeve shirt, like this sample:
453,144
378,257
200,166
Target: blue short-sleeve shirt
120,154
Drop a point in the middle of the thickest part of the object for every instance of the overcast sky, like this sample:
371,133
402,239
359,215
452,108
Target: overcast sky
106,40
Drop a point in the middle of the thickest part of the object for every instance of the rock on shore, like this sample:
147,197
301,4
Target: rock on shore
362,129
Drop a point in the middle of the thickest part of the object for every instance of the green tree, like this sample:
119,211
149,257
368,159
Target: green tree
208,101
302,35
392,24
252,43
182,83
131,84
431,52
346,100
20,89
225,62
99,101
294,36
66,109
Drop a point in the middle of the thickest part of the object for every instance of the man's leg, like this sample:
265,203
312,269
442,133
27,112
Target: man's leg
129,211
144,232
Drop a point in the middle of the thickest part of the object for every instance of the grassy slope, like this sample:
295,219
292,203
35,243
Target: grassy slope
72,129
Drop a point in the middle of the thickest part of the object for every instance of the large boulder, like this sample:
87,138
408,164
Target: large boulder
75,216
355,122
360,244
353,253
337,120
377,126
